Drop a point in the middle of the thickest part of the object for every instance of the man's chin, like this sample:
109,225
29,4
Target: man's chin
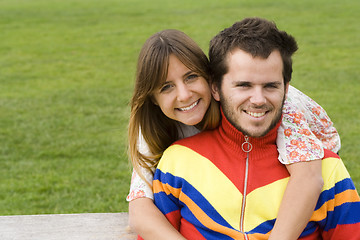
256,132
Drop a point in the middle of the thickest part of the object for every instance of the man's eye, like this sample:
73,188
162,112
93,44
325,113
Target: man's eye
270,86
244,85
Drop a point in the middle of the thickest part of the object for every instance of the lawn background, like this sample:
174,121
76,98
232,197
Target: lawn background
66,76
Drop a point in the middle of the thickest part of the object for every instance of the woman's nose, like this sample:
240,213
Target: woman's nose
183,92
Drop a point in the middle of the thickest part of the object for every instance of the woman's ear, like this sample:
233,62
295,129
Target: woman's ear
215,92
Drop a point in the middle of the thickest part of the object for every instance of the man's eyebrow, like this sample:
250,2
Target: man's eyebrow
240,82
274,83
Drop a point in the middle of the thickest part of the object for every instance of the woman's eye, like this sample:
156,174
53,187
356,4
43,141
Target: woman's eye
165,88
192,77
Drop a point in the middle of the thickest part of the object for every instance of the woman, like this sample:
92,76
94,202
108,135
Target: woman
172,100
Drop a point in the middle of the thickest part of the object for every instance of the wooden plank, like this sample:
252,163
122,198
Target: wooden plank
87,226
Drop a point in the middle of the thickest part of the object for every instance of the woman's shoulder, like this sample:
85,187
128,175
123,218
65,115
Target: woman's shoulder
187,130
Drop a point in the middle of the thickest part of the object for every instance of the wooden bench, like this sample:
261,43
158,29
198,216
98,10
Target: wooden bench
86,226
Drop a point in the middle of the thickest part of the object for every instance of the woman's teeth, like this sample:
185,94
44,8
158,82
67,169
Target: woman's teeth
189,107
255,114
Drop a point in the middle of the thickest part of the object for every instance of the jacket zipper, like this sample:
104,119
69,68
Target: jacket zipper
246,147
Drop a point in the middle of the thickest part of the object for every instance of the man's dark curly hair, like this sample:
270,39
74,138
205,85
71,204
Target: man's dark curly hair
256,36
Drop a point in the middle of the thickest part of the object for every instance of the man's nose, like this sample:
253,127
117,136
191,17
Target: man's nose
258,98
183,92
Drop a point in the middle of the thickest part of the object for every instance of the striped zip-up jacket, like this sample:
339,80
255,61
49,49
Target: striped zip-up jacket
222,185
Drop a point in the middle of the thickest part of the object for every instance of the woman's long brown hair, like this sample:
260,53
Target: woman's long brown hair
158,130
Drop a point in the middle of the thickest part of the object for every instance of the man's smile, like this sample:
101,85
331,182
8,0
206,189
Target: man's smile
256,114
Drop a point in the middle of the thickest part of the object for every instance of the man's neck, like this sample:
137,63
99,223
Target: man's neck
238,137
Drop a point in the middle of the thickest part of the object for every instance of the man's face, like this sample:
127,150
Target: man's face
252,92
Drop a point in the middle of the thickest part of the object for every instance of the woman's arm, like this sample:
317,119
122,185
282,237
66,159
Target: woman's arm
299,201
146,220
305,130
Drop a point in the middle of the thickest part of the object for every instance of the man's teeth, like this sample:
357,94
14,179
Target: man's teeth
189,107
255,114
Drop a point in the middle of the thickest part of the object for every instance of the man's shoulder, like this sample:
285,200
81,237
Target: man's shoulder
198,141
191,147
330,154
330,161
333,169
200,135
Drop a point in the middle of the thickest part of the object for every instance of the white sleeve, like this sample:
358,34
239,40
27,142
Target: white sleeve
138,187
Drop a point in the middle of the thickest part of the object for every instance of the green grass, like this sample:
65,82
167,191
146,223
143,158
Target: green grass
67,69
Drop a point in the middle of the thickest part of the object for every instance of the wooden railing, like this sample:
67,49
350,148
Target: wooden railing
86,226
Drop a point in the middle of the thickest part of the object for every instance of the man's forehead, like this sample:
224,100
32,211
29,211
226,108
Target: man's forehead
265,82
238,51
241,62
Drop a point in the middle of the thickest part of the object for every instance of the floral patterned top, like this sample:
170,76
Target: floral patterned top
305,130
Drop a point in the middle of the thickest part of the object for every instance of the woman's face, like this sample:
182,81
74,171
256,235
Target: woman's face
185,95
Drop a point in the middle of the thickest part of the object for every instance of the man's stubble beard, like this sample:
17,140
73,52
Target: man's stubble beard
274,122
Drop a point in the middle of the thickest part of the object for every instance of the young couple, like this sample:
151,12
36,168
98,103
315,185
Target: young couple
263,161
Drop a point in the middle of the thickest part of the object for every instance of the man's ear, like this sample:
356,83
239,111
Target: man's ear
215,92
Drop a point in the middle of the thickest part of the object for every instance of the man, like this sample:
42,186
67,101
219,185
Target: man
228,183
